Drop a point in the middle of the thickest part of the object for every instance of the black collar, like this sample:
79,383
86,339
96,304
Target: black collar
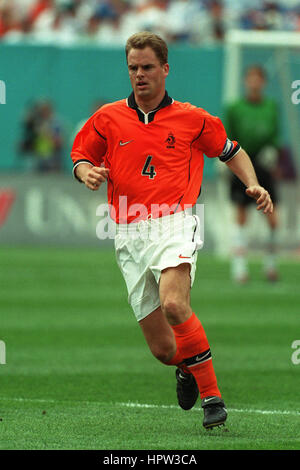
148,117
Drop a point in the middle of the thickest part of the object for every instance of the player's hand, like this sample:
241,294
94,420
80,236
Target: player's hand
262,197
95,176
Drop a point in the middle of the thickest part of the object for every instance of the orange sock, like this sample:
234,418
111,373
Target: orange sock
194,351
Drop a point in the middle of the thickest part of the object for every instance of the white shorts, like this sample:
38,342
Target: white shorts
144,249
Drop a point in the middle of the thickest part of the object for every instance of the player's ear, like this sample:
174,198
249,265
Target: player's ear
166,69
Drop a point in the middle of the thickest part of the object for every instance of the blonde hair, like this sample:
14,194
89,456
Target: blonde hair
147,39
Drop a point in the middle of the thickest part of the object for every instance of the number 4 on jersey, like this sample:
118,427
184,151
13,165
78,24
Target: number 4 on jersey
149,170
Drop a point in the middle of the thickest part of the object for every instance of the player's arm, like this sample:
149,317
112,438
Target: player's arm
212,138
242,167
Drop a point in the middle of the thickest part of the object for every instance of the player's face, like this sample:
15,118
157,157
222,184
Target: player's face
147,75
254,83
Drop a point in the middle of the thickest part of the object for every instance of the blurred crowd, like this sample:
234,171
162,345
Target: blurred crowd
42,137
111,22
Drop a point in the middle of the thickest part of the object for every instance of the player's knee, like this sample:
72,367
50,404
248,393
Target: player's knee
164,352
175,310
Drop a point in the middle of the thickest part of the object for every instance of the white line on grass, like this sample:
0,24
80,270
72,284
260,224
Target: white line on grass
146,405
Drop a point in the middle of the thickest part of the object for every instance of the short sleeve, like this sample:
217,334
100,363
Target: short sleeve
214,141
90,144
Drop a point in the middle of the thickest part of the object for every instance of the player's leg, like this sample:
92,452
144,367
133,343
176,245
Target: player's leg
145,270
176,337
240,201
174,292
266,179
270,261
159,335
157,326
239,265
162,343
191,340
192,347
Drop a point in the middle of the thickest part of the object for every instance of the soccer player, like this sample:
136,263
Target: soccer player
253,121
149,147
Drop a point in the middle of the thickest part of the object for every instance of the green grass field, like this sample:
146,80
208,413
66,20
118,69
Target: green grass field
79,374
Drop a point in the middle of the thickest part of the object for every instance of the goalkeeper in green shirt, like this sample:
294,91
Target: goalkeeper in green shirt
253,122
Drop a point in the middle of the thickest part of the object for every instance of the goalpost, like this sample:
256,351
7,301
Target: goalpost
279,53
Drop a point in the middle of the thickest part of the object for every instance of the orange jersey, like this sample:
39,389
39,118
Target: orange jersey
155,159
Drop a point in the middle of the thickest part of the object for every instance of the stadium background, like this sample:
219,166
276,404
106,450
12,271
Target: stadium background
64,352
